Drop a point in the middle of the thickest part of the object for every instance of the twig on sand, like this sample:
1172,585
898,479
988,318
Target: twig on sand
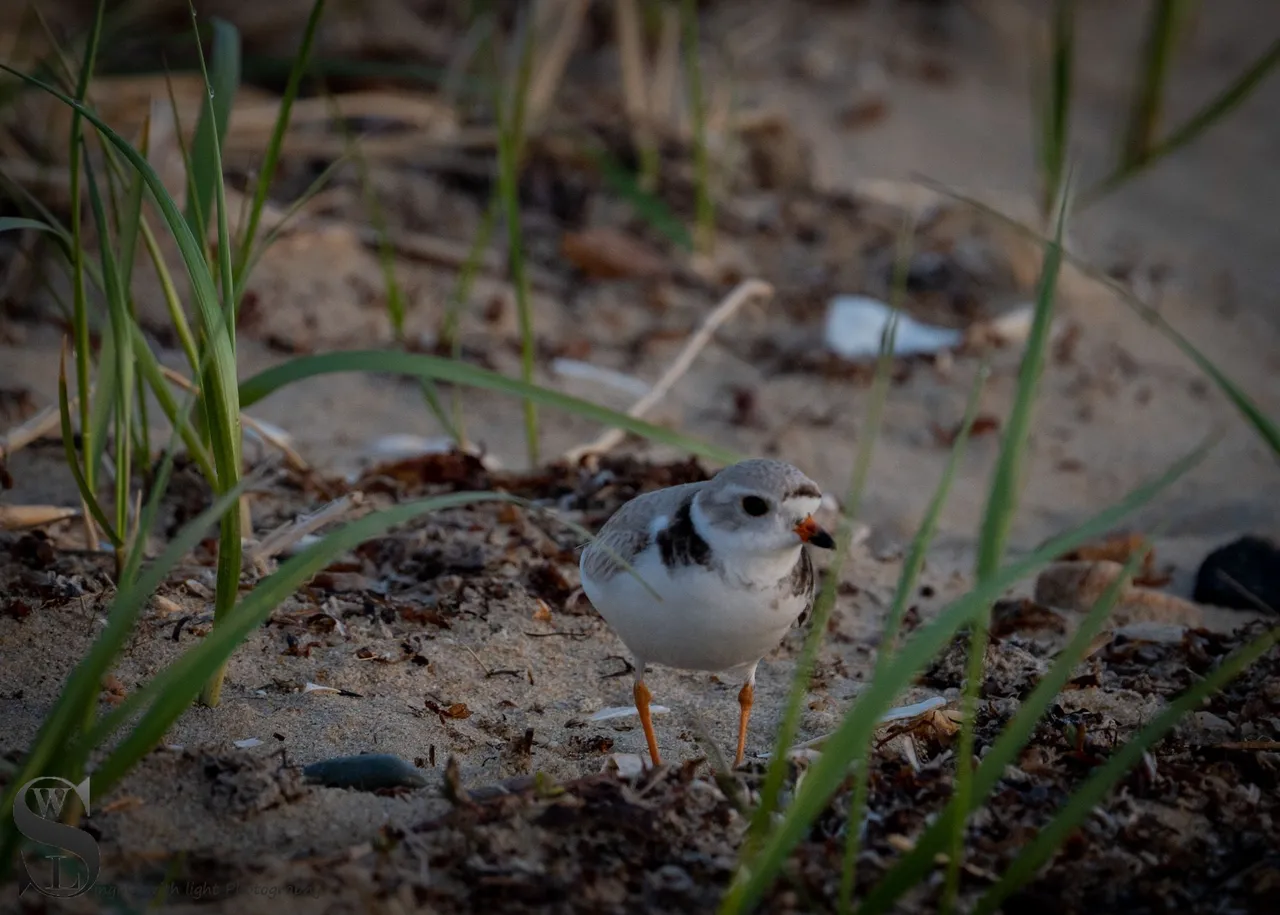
555,57
22,517
37,426
746,290
289,533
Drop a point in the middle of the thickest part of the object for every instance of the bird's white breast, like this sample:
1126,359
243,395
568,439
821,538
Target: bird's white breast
705,620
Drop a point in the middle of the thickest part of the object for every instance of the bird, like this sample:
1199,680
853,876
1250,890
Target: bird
708,576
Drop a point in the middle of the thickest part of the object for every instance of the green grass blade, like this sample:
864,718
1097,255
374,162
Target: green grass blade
223,76
378,218
48,753
451,331
1006,482
1037,853
438,368
646,204
790,724
219,391
149,371
825,776
287,217
76,704
1266,428
510,140
1002,504
1214,111
80,314
87,495
103,409
913,563
223,394
1164,28
911,568
120,364
1055,106
131,221
271,159
22,224
205,167
396,309
912,867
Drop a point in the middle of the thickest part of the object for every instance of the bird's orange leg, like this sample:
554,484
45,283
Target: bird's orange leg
643,696
745,699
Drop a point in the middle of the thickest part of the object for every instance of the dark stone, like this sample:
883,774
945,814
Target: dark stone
1244,574
367,772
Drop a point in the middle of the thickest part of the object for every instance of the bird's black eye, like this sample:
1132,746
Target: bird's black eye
754,506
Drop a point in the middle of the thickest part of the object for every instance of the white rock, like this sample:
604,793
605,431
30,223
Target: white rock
855,324
402,446
628,765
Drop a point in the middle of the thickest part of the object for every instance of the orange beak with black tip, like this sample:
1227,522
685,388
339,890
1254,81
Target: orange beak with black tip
809,532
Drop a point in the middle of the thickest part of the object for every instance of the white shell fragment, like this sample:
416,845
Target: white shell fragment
903,712
399,446
1014,326
626,711
310,687
247,743
809,749
628,765
855,324
585,371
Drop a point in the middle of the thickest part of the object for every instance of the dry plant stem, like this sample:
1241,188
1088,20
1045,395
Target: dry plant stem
745,291
550,69
285,536
292,458
36,427
631,62
21,517
666,67
634,95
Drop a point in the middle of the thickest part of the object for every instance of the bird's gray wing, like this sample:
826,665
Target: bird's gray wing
628,532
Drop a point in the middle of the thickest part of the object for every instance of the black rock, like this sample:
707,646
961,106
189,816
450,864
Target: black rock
1244,574
367,772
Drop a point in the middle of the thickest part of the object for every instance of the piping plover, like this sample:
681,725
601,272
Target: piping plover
727,558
